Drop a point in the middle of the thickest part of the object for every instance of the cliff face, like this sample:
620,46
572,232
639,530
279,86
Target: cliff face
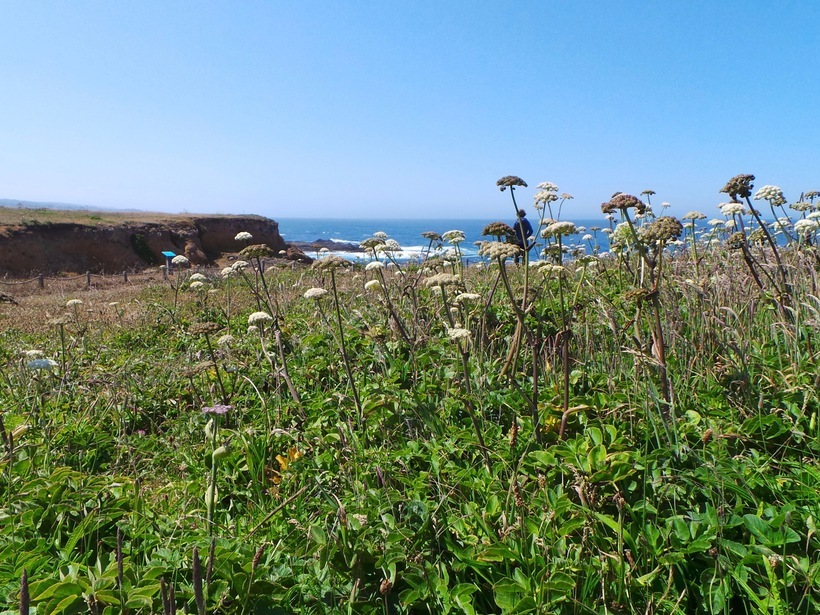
53,247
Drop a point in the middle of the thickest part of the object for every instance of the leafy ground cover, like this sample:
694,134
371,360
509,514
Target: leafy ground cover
633,432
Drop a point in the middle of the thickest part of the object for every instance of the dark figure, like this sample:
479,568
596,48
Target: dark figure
523,232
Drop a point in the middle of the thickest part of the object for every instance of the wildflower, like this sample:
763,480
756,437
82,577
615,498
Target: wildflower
240,265
323,250
196,285
467,297
443,279
226,340
558,229
253,329
33,354
586,237
694,215
622,202
180,261
458,333
500,250
47,364
227,272
773,194
259,250
802,206
498,229
454,236
243,236
390,245
73,302
662,230
372,285
198,277
203,328
732,208
314,293
217,409
380,235
547,187
806,226
739,186
510,181
259,317
331,262
371,243
715,222
544,196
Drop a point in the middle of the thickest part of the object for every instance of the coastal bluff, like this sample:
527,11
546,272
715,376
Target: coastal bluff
34,241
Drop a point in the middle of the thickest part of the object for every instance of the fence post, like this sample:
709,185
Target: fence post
125,276
87,279
41,281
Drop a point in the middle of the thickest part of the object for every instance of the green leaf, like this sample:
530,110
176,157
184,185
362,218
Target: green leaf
759,529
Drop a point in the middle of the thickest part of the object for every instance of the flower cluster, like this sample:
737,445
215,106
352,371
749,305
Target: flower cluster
217,409
732,208
259,317
453,237
510,181
621,202
773,194
694,215
662,230
557,229
498,229
500,250
243,236
203,328
740,186
259,250
443,279
372,285
806,226
331,262
458,333
315,293
180,261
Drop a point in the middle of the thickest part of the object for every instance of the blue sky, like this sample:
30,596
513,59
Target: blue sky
403,109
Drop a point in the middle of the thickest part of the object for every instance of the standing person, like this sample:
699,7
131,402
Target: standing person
523,232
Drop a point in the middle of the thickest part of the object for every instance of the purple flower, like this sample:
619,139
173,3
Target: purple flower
216,409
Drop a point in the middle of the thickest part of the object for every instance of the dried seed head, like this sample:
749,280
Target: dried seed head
621,202
739,186
259,250
510,181
498,229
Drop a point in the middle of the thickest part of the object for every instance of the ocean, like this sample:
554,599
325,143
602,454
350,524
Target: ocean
408,233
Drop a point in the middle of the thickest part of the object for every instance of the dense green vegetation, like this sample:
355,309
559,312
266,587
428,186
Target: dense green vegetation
635,433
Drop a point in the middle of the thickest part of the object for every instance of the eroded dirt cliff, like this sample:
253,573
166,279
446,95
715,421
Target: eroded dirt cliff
110,245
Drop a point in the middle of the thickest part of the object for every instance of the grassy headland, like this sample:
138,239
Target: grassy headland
630,434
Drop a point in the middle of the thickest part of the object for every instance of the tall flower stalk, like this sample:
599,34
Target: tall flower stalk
329,265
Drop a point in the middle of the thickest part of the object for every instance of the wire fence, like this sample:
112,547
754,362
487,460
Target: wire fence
89,280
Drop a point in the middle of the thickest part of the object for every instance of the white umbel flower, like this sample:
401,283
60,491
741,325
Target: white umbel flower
374,265
180,261
458,333
243,236
315,293
372,285
259,317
